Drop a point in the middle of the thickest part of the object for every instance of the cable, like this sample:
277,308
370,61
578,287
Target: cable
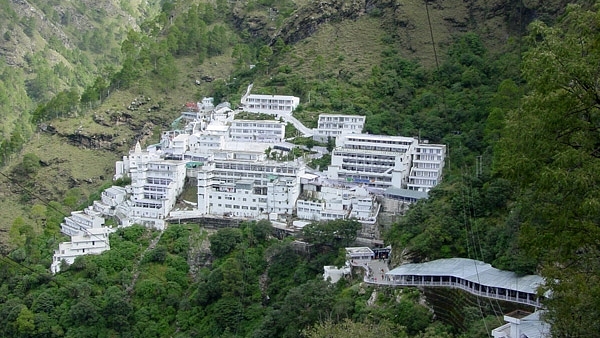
437,65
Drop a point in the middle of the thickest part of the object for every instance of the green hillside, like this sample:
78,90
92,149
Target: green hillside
515,103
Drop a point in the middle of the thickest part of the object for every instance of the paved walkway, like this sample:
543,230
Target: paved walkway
375,270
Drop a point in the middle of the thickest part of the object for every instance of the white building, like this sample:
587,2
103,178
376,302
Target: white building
333,125
81,221
375,160
427,165
88,242
270,104
244,183
155,185
110,199
522,324
201,143
175,146
257,131
331,203
137,155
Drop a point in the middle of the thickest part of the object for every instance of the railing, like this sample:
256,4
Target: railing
450,284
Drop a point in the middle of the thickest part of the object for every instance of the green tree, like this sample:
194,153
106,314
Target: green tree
551,149
348,328
335,233
224,241
25,322
264,58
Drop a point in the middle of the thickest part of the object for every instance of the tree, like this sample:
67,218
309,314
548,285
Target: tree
348,328
224,241
335,233
330,143
551,149
25,322
264,58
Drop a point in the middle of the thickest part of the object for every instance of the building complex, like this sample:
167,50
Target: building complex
243,169
334,125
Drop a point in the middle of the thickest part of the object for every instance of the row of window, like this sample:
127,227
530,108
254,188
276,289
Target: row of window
338,126
429,150
426,165
425,182
364,169
274,125
269,107
251,99
437,158
235,206
254,131
160,181
424,174
251,167
386,164
375,148
341,118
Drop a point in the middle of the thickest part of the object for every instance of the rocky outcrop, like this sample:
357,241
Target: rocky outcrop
306,21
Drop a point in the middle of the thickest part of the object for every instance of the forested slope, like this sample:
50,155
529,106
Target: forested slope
519,116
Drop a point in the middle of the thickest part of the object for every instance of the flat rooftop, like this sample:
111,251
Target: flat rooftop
359,250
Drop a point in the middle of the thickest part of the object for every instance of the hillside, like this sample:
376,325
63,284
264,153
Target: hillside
447,71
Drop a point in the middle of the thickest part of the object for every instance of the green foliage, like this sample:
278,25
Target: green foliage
28,167
321,163
549,149
61,105
335,233
224,241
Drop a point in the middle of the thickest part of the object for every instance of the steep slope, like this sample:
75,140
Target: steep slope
64,45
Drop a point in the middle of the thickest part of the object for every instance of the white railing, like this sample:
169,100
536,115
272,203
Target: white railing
450,284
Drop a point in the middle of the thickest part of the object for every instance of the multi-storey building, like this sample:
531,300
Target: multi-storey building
89,241
135,157
155,185
374,160
81,221
202,143
110,199
333,125
427,165
257,131
244,183
330,203
270,104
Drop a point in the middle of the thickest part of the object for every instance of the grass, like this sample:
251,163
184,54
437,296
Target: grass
349,45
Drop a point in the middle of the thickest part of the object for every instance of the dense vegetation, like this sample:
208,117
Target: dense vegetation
257,286
523,154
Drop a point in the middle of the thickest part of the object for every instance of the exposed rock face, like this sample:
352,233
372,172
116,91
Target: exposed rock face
410,22
307,20
94,141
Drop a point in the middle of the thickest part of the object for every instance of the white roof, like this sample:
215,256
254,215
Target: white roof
309,176
278,97
217,127
379,137
342,115
359,250
471,270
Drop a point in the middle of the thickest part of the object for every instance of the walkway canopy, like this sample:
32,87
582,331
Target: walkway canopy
473,276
